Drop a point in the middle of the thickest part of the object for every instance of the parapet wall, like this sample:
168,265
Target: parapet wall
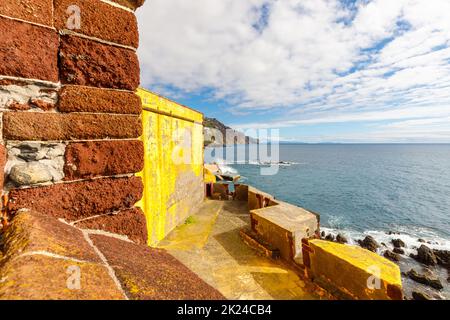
70,117
351,272
345,271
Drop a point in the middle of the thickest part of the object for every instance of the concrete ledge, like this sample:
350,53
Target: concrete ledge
258,199
351,272
284,226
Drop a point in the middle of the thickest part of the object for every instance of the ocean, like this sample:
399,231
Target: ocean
360,189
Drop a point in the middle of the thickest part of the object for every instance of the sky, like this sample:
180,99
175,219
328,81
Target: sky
318,70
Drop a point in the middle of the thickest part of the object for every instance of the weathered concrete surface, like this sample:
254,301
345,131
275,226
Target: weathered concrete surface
173,155
258,199
352,272
227,263
284,226
41,254
195,231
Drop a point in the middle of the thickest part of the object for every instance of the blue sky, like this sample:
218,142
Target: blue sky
318,70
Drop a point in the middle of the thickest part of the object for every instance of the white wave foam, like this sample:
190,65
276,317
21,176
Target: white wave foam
227,169
432,240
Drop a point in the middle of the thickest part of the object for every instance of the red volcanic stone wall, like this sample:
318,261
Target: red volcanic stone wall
75,201
85,62
97,17
70,117
2,164
74,126
88,99
37,11
127,222
103,158
24,47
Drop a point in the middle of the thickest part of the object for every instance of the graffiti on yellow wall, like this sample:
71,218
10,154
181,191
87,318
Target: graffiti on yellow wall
173,170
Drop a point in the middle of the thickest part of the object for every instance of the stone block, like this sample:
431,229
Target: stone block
37,11
78,200
130,223
55,126
89,99
90,63
28,51
99,20
103,158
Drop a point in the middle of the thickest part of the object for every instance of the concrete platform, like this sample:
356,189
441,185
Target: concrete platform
226,263
284,226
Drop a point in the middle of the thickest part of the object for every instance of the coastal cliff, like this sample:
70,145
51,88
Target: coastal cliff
218,134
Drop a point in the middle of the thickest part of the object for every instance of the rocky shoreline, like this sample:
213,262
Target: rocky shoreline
425,272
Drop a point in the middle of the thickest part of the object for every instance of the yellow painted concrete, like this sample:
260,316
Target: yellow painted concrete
209,176
173,170
194,233
354,271
227,263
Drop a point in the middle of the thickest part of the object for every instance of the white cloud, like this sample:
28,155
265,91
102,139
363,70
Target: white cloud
298,59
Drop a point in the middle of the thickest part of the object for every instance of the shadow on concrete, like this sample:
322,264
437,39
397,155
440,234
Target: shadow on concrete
237,209
282,286
232,243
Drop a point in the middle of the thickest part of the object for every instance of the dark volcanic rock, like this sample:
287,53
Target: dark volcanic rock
399,251
421,240
391,255
322,234
442,257
329,237
425,255
398,243
419,295
341,238
369,243
427,279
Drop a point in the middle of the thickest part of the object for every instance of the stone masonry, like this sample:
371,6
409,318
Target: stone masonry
69,116
70,148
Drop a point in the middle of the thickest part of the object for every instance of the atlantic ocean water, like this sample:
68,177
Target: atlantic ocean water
388,191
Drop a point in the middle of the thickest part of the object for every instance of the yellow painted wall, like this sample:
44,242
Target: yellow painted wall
173,170
353,272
